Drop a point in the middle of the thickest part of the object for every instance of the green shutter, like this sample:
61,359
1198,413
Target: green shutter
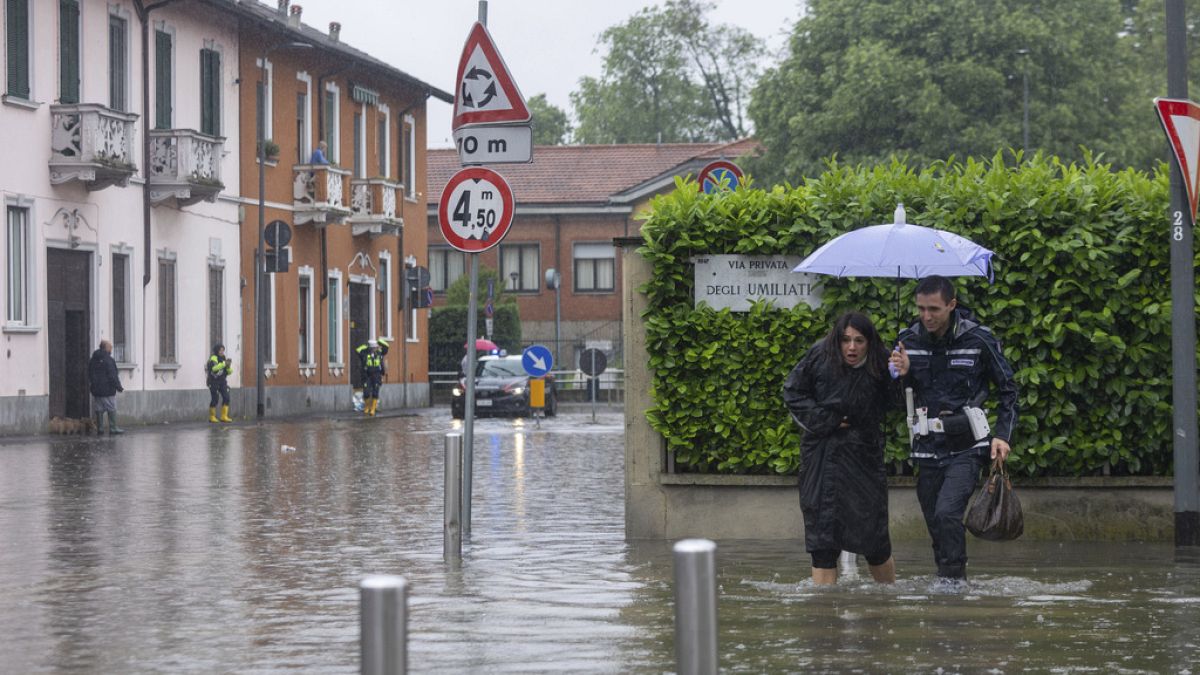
210,92
162,80
117,66
17,22
68,50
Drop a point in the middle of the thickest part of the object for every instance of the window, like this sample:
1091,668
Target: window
385,295
216,305
210,92
166,311
306,313
163,77
16,15
302,151
68,51
519,267
18,248
334,299
446,265
118,64
408,157
383,143
360,146
331,122
595,266
122,350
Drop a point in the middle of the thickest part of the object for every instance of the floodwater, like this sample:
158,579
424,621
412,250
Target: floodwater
196,549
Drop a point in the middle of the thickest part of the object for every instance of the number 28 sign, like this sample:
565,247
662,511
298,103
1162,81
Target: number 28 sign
475,210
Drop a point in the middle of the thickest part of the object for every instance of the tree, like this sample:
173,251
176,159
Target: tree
550,125
458,292
669,76
867,79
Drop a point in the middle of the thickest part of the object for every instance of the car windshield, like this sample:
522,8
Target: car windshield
500,368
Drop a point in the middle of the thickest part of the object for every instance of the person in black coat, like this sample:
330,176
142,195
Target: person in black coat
838,394
104,384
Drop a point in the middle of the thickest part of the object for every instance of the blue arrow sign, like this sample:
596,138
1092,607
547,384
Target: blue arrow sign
537,360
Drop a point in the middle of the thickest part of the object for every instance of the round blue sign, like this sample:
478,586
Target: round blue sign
537,360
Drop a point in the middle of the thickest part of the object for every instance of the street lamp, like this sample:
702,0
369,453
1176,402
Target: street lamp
1025,86
260,261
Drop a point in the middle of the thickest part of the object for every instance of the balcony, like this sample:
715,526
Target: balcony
319,194
185,166
91,144
373,207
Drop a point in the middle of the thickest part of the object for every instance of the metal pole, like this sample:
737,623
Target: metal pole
594,385
469,394
383,622
1183,309
1025,120
848,564
557,316
452,499
695,607
260,258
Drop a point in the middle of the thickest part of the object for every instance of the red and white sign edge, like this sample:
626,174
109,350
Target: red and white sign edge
503,222
479,40
1181,121
719,164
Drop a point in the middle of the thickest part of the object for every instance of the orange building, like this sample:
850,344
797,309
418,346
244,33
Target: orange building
348,247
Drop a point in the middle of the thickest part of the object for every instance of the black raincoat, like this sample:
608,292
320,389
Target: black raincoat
843,484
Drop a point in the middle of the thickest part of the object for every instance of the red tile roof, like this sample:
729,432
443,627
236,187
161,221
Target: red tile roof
588,174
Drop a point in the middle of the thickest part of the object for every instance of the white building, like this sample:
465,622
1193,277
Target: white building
90,250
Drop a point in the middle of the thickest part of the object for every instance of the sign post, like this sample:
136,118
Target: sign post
593,362
537,361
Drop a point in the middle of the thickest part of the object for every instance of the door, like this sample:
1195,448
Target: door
68,325
360,326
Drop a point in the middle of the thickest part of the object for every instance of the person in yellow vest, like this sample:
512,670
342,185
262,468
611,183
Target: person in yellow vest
374,367
218,369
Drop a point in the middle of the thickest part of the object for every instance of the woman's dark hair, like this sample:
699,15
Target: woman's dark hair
877,353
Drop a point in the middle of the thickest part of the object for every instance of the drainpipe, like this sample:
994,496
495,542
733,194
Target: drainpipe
405,314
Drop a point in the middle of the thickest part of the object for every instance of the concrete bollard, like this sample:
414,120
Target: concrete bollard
452,507
695,607
383,625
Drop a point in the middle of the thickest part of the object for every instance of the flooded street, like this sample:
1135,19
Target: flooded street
198,549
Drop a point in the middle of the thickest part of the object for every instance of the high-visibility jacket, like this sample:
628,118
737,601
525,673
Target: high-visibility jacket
218,369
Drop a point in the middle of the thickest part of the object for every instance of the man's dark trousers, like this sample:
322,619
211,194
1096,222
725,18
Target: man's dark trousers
943,489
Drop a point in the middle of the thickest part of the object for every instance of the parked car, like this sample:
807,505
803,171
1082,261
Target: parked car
501,388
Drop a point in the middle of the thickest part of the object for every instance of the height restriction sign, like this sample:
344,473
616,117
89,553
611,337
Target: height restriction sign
475,210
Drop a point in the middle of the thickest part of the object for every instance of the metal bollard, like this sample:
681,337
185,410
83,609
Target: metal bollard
695,607
452,521
848,564
383,623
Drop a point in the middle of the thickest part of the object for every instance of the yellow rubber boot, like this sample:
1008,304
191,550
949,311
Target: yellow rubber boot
225,414
212,415
374,406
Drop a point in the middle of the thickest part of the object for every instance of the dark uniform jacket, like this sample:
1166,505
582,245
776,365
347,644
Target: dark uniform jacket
102,375
218,369
955,371
843,483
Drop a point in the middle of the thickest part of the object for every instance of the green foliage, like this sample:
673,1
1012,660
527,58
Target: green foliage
1080,302
669,76
550,125
866,80
448,334
459,291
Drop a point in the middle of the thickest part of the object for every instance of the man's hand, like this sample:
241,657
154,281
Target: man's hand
899,359
1000,449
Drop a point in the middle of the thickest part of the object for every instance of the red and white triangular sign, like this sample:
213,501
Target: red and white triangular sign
1181,121
485,91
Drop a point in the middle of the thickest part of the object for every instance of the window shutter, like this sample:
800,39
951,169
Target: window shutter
68,48
17,16
116,63
162,80
210,92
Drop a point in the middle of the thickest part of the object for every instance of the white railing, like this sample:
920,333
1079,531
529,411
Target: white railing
183,155
92,143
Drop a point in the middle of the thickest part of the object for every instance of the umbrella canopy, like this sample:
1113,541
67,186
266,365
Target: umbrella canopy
483,345
899,250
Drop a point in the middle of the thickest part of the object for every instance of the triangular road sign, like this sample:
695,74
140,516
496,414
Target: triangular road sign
1181,121
485,91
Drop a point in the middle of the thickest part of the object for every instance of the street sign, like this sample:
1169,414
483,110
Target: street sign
495,144
475,210
720,175
278,233
537,360
1181,121
592,362
485,91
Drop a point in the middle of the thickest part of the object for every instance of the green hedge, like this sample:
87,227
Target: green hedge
1081,303
448,334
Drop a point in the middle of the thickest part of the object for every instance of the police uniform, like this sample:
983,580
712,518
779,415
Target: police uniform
217,372
373,367
948,375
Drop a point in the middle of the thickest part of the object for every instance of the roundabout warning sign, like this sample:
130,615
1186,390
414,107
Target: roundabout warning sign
476,210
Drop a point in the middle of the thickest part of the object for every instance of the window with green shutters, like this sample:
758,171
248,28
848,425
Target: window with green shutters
68,51
163,77
118,63
210,92
16,24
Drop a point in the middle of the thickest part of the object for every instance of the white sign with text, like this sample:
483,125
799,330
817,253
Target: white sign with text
735,281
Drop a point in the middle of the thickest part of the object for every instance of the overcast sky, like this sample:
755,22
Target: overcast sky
547,44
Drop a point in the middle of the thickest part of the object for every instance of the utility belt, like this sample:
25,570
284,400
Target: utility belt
961,429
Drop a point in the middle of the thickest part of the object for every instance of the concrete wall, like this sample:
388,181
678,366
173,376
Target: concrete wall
661,505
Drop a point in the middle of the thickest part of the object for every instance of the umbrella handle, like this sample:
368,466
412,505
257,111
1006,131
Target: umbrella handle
891,366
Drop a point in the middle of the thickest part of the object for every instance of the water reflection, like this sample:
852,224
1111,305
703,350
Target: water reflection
224,549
